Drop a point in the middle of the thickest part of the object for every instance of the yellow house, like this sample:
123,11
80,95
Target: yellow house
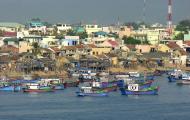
100,50
24,46
114,59
163,48
125,31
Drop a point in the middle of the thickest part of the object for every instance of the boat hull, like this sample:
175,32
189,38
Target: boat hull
141,85
106,89
80,94
183,82
37,91
41,89
148,92
172,79
11,88
58,87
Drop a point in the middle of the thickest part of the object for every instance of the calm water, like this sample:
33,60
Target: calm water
172,103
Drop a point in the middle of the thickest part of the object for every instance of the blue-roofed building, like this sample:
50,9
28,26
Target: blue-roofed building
36,26
79,29
100,34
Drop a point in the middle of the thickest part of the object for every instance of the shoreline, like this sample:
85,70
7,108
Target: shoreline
63,74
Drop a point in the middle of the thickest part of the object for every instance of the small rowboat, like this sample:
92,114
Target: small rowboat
183,82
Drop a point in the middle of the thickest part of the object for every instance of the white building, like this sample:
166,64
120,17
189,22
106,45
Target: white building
92,28
63,27
11,27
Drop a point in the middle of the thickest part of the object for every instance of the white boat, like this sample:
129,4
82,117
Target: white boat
134,74
185,76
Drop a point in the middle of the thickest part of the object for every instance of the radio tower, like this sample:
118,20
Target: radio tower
170,18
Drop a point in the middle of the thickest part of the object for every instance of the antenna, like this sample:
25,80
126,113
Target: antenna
118,21
170,17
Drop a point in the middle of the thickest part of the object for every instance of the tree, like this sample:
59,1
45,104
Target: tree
131,40
179,36
71,32
1,32
133,24
82,35
36,48
55,31
183,26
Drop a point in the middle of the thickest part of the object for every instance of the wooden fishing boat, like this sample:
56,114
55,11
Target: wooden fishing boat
173,78
55,83
12,88
175,75
88,91
8,86
141,85
34,87
133,89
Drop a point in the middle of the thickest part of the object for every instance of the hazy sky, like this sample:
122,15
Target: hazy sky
91,11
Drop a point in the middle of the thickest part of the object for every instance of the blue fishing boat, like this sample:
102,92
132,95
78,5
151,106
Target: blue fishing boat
172,78
175,75
88,91
11,88
133,89
142,85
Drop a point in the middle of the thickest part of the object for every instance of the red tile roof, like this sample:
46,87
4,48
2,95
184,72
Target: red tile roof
9,34
91,45
113,43
131,47
173,45
9,48
55,49
187,43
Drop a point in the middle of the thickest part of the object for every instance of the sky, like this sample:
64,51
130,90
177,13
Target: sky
91,11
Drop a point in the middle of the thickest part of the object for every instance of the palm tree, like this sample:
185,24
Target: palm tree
36,50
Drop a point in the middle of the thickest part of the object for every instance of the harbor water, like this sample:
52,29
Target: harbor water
172,103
